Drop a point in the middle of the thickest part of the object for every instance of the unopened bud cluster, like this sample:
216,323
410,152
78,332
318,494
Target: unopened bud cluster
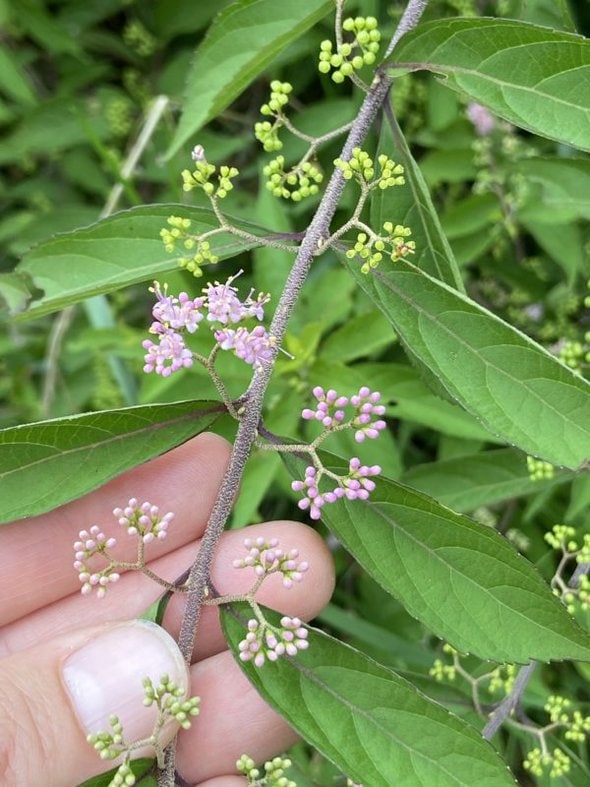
395,244
539,470
170,700
201,177
265,557
177,233
557,763
266,132
565,539
273,774
366,421
141,520
294,184
361,167
265,642
351,56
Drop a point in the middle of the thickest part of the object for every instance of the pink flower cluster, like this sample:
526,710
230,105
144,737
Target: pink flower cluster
265,642
173,316
356,485
265,557
143,520
366,422
92,543
330,414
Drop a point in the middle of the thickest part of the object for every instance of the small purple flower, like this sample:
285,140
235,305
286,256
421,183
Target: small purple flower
144,520
328,410
225,307
366,404
255,347
223,304
265,557
198,153
169,355
177,313
265,642
482,119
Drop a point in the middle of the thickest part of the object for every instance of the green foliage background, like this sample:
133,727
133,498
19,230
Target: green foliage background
76,83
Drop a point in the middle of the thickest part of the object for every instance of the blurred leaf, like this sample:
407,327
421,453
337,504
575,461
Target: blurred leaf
44,28
467,482
580,498
463,580
534,77
511,384
13,81
124,249
471,215
565,245
30,137
359,336
243,39
374,725
271,266
46,464
14,292
558,189
179,17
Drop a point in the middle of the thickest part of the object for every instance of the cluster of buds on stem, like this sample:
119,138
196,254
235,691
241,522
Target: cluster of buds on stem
300,181
394,243
361,167
366,421
140,520
265,642
176,233
201,177
268,133
351,56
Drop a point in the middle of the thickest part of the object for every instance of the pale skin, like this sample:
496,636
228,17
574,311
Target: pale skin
41,609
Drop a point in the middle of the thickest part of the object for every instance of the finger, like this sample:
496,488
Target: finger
134,593
234,720
185,481
53,695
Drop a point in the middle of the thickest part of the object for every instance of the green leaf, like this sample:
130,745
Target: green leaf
558,189
534,77
411,205
46,464
374,725
358,337
463,580
13,81
113,253
139,767
512,385
465,483
241,42
580,498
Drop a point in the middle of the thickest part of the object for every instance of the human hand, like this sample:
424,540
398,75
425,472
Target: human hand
55,643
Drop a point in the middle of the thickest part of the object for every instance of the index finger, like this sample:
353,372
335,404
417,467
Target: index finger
36,554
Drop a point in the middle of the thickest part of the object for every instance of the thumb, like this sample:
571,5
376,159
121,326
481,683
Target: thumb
53,695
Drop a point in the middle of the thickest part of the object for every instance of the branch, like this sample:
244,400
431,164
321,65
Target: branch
314,240
510,702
